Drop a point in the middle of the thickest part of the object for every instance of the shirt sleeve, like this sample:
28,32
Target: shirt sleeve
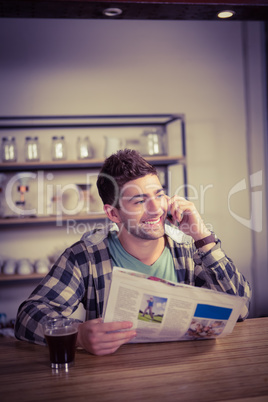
58,294
214,270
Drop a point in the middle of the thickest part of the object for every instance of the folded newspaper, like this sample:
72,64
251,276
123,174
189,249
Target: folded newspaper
163,311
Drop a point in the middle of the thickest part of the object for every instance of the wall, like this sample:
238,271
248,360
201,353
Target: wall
116,67
256,133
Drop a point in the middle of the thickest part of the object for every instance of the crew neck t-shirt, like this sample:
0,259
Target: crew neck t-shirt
162,268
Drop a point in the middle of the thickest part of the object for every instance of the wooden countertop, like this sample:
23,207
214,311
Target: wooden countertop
231,368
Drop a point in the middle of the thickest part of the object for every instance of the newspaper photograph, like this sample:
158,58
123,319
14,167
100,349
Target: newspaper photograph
163,311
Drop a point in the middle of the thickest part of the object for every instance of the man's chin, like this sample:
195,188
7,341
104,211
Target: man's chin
149,233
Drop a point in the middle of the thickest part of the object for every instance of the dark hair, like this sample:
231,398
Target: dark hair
117,170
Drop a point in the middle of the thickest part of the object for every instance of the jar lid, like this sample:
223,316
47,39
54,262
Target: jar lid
153,130
8,139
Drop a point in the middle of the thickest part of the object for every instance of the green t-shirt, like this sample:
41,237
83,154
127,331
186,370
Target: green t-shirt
163,268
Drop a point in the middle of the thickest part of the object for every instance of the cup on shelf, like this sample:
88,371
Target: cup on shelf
9,267
41,266
24,267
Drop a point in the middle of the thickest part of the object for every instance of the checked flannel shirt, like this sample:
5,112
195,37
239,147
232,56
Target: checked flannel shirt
82,274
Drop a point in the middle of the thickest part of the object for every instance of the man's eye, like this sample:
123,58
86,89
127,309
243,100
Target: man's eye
139,202
160,195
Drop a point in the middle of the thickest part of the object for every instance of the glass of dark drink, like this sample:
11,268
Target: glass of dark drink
61,334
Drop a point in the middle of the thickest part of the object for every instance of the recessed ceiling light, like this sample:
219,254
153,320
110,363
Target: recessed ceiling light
226,14
112,12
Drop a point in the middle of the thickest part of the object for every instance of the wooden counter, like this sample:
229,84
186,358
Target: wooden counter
231,368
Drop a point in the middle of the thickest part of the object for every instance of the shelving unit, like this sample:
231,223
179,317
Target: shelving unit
26,124
50,219
36,124
20,278
82,164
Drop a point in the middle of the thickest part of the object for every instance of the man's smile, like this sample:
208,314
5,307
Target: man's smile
152,222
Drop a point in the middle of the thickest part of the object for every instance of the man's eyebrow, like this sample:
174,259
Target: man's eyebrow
143,195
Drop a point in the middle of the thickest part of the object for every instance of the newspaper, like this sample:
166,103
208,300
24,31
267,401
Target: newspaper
163,311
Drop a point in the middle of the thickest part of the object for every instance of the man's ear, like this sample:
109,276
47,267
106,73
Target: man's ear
112,213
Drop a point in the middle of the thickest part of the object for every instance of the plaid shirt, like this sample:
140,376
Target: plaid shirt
82,274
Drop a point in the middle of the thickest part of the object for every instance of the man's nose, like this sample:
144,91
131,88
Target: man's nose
153,206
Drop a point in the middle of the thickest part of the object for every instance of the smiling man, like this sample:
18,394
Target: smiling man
137,238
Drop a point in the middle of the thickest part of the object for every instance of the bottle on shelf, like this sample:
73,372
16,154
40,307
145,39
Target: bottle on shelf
24,206
32,150
58,151
153,142
9,149
84,148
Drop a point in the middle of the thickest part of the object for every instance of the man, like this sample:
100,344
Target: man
150,303
137,238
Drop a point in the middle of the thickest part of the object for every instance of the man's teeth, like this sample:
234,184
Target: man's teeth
152,222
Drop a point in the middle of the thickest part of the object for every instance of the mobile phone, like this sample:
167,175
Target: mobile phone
170,219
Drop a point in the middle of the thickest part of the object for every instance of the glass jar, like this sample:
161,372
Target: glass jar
84,148
9,149
58,151
32,152
153,142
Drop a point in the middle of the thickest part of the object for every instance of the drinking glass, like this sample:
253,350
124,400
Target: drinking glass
61,334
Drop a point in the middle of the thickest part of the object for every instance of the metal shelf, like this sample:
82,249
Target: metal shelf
50,219
83,164
16,277
83,121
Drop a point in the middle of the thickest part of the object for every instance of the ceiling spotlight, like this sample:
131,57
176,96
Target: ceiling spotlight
226,14
112,12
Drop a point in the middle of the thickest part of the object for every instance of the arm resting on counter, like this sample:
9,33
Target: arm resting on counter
58,294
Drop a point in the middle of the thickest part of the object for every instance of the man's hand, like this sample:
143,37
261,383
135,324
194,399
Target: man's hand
186,214
101,338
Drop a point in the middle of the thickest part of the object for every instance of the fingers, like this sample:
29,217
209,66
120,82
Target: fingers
110,342
104,338
177,206
185,212
116,326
